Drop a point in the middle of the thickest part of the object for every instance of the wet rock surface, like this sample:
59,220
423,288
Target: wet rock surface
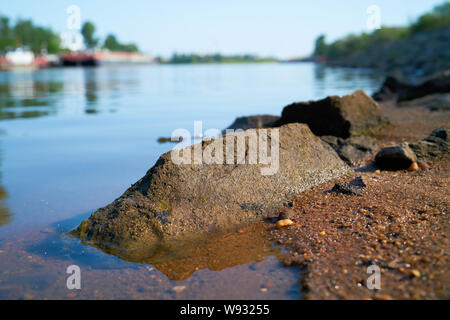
351,115
174,201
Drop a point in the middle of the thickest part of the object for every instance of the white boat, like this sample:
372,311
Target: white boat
19,58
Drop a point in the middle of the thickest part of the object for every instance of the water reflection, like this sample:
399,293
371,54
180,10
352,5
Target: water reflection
5,214
21,96
179,260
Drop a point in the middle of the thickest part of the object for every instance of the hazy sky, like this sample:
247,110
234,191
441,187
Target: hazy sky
283,28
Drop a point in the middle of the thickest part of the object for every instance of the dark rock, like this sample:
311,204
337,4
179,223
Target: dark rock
393,85
395,157
355,187
437,83
253,122
433,145
351,115
433,102
176,201
353,151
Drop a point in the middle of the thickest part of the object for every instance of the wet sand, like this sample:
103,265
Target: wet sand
400,224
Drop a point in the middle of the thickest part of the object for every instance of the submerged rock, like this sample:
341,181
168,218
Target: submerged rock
351,115
395,157
174,201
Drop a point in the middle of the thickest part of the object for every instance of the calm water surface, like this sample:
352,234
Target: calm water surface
73,140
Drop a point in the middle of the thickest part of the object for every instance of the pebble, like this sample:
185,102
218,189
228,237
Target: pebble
413,167
321,233
423,165
71,295
264,290
179,289
415,273
284,223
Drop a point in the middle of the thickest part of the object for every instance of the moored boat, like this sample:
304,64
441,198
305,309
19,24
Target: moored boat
21,58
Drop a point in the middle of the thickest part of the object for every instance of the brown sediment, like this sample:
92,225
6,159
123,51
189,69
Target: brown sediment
400,224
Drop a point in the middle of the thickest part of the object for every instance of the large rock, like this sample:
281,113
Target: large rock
175,201
253,122
354,114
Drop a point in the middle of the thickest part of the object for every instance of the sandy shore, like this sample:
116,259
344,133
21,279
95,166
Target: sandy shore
400,224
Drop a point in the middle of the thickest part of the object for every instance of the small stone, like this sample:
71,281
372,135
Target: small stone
415,273
71,295
413,167
179,289
383,297
321,233
377,171
264,290
423,165
28,296
284,223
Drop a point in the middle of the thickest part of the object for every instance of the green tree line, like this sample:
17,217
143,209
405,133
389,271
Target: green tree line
213,58
111,43
25,33
439,17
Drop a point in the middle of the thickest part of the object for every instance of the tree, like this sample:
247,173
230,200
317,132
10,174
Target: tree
321,46
88,31
111,43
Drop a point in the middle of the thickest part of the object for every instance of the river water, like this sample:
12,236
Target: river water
74,139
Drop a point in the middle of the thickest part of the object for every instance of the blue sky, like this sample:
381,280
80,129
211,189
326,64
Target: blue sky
283,28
